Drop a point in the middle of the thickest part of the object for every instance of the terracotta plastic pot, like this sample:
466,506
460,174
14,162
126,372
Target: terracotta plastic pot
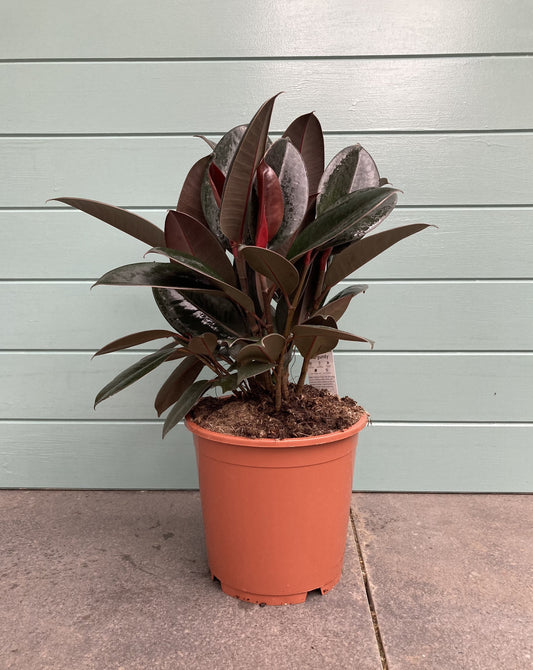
275,511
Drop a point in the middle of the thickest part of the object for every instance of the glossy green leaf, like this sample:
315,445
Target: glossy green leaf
134,373
135,339
312,343
177,383
186,402
188,263
223,155
339,303
238,344
318,320
288,164
352,169
185,234
227,382
361,251
192,264
306,134
368,223
273,266
129,223
238,185
163,275
281,314
190,199
252,369
268,349
203,345
352,217
326,333
197,312
221,309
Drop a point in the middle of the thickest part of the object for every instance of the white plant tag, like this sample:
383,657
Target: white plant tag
321,373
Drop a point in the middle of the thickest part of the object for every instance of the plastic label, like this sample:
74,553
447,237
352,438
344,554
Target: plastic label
321,373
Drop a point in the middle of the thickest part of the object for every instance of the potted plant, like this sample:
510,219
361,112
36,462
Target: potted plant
260,236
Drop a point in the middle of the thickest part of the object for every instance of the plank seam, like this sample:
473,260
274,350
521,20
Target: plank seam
327,133
333,133
282,58
370,282
159,208
344,352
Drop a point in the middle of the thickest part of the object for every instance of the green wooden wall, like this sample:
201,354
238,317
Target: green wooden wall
102,100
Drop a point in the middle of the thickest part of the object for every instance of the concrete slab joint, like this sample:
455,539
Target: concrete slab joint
98,580
104,580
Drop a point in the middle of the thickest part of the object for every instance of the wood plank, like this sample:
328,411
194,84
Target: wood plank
439,387
444,458
238,28
147,171
133,97
410,316
66,244
476,243
391,387
96,455
445,316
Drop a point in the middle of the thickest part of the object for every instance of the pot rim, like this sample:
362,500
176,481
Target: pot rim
309,440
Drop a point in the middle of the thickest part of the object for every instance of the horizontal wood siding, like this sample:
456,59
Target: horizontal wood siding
482,170
276,29
136,97
458,387
398,316
96,454
103,102
75,246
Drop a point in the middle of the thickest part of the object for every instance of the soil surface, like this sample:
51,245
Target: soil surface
315,412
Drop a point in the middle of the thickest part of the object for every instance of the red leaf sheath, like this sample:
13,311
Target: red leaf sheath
271,205
216,179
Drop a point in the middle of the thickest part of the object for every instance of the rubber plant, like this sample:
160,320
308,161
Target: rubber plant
260,237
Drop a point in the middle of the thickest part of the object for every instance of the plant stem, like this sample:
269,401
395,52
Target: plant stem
240,264
266,304
285,384
266,381
294,303
241,267
277,403
280,368
258,321
320,281
303,374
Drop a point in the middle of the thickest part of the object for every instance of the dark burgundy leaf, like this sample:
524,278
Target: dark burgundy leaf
305,133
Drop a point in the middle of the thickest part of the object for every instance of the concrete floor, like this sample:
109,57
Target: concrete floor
119,580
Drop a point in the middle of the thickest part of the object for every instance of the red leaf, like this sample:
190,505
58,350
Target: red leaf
186,234
216,179
189,200
271,205
261,233
306,134
324,258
